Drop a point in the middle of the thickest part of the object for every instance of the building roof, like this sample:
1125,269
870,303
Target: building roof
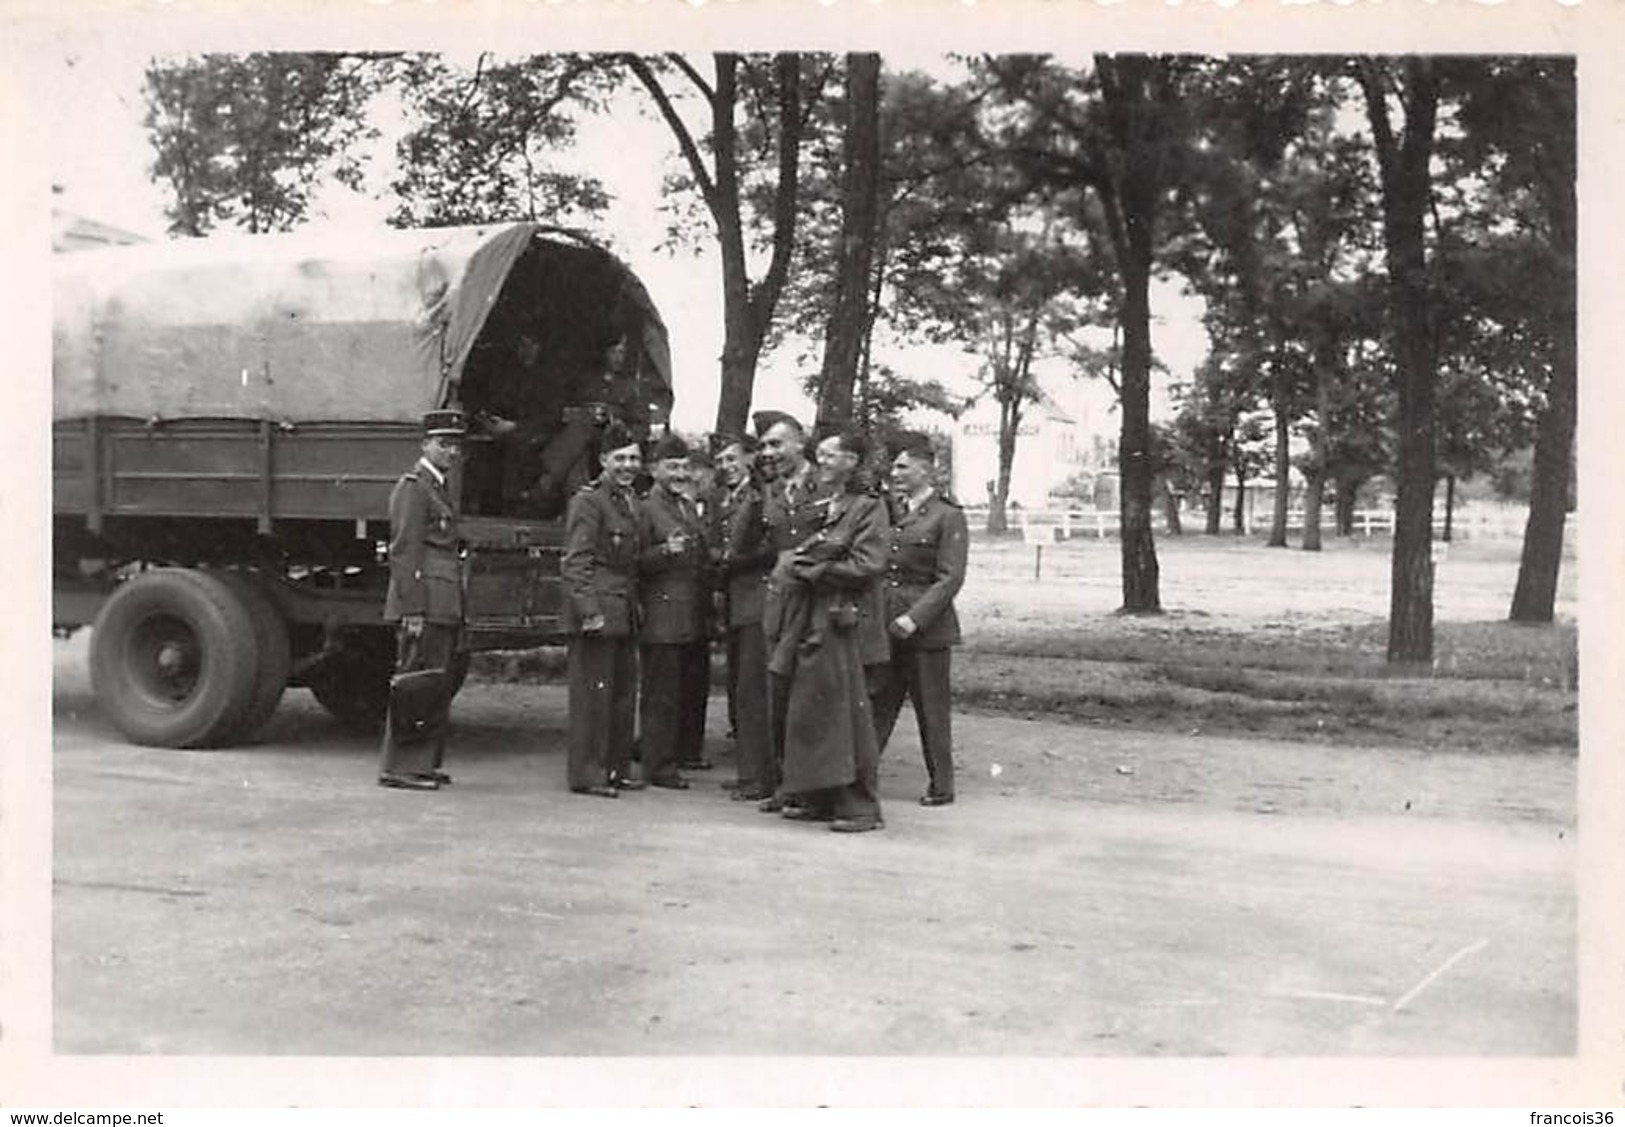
1052,410
75,232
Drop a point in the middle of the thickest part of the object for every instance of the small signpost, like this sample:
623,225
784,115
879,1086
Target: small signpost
1037,533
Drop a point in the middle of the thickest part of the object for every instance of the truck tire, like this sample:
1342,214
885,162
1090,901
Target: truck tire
353,684
275,656
173,659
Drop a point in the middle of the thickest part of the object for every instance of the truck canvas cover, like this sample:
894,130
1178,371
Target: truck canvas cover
309,327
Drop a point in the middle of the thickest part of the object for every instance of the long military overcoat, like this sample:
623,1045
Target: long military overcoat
815,640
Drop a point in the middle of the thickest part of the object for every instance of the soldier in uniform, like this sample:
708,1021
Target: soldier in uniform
815,641
925,570
599,572
745,556
792,511
675,597
425,601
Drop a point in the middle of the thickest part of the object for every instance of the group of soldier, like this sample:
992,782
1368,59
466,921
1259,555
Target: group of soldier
835,598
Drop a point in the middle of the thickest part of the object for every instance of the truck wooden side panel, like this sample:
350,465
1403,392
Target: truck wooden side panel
228,468
213,471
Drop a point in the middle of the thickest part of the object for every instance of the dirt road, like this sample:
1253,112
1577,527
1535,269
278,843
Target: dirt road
1091,894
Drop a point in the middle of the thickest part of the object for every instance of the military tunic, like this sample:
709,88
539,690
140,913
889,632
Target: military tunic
425,578
599,573
925,570
674,641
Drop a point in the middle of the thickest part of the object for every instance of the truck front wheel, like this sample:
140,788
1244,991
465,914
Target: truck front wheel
173,659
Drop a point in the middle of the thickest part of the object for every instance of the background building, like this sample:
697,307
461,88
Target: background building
1066,448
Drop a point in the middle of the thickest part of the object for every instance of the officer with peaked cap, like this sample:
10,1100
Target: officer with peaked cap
599,572
425,601
925,570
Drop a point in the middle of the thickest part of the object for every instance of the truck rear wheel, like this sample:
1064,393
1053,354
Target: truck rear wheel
275,658
353,684
173,659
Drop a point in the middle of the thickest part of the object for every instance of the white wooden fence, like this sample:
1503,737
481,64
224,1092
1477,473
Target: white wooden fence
1050,525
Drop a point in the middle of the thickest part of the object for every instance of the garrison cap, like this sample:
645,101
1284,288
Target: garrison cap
849,439
765,421
724,439
915,445
444,424
668,446
616,436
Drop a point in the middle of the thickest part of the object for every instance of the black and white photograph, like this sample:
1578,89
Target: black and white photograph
913,552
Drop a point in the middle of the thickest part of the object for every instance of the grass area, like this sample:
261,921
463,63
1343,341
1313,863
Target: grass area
1255,642
1240,685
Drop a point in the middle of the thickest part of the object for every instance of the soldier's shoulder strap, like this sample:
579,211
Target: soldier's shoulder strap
949,499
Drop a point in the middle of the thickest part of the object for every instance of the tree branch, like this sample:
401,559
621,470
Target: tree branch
766,293
693,75
685,140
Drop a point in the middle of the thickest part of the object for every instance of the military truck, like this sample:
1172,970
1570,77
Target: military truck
231,413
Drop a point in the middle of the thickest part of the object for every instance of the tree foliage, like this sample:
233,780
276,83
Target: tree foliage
246,140
485,140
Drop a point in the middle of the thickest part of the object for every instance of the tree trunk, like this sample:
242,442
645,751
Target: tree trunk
741,344
1141,593
1406,192
1535,597
1314,482
860,194
1215,498
1170,510
997,512
1348,495
1238,518
1315,476
1449,507
1283,475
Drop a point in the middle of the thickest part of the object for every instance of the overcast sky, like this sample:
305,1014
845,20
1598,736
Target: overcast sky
102,161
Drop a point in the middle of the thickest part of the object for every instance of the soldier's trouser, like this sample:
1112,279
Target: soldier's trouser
603,700
754,745
676,684
417,745
733,681
778,707
924,676
695,696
